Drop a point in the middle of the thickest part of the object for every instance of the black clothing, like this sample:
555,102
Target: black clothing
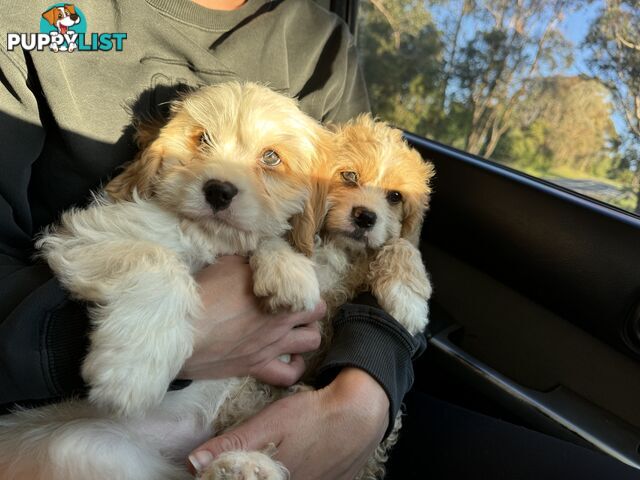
441,441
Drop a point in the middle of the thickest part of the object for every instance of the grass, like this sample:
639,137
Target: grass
626,199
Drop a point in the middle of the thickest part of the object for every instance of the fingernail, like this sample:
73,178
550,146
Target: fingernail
201,459
285,358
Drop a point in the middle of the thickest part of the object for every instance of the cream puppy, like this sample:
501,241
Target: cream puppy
230,173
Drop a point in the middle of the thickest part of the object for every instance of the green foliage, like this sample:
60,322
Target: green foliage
568,119
401,76
525,149
483,78
614,41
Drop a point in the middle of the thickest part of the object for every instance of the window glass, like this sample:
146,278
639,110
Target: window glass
548,87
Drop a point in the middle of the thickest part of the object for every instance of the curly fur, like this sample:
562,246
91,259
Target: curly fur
133,253
384,260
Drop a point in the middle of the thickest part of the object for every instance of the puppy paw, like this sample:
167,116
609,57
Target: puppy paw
400,282
285,282
405,305
241,465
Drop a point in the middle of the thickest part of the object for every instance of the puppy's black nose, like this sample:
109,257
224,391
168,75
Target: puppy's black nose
363,217
73,16
219,194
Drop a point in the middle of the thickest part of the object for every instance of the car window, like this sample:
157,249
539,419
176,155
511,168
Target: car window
548,87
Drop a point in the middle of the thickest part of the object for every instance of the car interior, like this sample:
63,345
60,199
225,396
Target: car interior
535,316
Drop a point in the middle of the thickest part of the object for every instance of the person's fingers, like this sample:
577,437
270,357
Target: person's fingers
300,340
319,312
253,435
304,318
202,457
281,374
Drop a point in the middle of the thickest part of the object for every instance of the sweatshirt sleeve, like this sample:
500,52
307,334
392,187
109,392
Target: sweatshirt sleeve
366,337
324,71
42,333
353,97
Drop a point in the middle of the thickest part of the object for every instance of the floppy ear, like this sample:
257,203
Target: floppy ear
139,175
413,216
419,174
147,130
417,202
71,8
51,15
305,225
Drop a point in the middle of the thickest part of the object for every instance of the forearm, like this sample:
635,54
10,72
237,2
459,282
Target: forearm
367,338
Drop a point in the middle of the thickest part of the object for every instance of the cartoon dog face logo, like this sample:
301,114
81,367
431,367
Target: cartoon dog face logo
62,17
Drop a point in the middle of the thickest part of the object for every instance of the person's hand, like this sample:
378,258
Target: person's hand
235,338
328,433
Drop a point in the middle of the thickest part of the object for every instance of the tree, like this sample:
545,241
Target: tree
568,120
514,41
614,41
401,51
461,82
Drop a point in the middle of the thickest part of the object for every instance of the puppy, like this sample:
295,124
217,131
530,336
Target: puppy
371,198
378,194
62,18
230,173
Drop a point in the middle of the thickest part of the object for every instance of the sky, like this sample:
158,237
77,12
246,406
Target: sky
575,28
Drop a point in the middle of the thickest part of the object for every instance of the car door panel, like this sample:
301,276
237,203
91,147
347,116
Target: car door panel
536,305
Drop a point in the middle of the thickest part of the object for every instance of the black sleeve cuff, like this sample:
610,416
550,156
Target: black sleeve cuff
42,344
66,342
368,338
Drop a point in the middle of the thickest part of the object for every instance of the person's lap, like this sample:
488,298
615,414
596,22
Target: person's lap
440,440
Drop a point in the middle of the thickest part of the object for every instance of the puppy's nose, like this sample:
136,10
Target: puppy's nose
219,194
73,16
363,217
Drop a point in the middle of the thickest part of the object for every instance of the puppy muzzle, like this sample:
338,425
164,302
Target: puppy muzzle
363,218
219,194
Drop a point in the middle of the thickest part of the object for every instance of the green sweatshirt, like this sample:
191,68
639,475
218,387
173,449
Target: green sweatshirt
64,128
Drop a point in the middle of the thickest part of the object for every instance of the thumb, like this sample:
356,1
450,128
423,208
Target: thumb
280,373
250,436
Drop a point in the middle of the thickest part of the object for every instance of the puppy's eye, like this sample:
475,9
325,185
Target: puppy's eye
205,139
270,158
394,197
350,177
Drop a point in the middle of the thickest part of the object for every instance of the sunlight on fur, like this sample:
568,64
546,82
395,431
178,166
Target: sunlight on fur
229,173
237,169
352,255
